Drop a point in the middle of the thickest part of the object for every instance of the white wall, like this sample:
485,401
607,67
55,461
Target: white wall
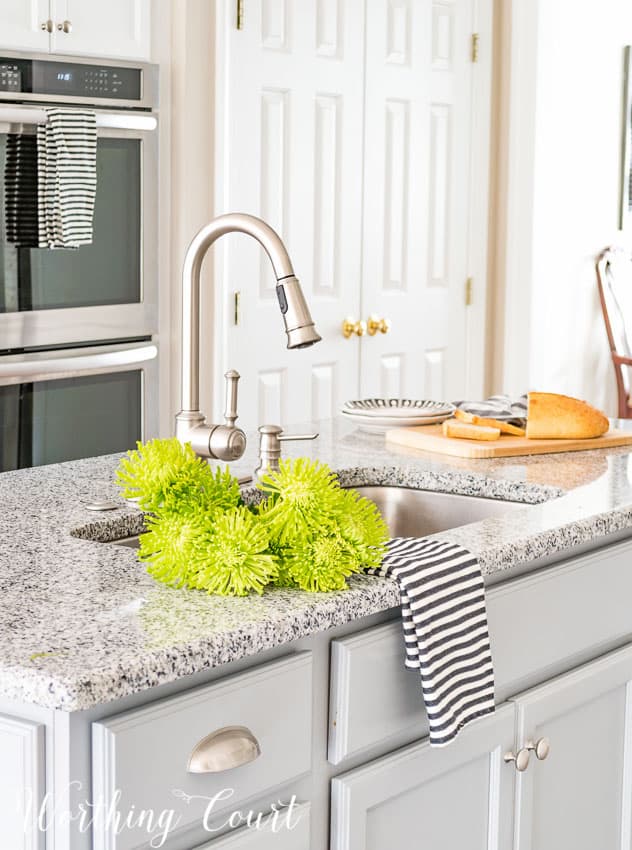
563,193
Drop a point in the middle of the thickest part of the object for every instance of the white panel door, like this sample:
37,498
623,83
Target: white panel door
21,25
417,196
289,106
118,28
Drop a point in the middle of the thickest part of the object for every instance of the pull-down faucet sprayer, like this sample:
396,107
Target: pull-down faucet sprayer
227,442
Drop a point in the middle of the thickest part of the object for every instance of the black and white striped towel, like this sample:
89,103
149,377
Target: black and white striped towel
511,410
67,177
445,630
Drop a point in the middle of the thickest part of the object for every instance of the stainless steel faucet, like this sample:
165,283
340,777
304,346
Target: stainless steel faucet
227,441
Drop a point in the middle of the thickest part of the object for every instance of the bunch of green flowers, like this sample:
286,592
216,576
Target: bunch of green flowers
321,534
307,533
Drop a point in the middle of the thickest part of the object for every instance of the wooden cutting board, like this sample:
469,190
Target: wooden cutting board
430,438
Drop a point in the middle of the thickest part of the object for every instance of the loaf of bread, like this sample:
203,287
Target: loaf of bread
560,417
467,431
503,427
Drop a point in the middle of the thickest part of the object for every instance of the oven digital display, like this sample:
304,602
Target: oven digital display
92,82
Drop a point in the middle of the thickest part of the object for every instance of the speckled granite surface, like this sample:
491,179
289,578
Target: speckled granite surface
82,623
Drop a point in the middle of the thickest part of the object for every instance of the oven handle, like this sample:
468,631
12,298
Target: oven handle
111,120
74,362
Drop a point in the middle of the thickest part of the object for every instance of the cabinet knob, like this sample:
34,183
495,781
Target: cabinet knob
47,26
224,749
349,328
65,26
520,759
376,324
541,748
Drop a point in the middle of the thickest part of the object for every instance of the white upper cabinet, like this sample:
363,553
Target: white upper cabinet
23,25
119,29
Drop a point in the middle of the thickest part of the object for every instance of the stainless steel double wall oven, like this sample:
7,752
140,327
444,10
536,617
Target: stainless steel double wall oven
78,349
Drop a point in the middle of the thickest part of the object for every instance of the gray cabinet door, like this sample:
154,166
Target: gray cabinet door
450,798
580,797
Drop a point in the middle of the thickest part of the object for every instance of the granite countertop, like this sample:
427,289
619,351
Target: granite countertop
83,624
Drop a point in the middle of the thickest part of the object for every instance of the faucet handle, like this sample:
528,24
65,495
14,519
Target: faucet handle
230,411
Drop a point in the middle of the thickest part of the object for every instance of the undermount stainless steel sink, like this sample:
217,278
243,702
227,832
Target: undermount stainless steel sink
417,513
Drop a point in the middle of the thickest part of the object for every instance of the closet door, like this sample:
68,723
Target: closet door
424,158
289,102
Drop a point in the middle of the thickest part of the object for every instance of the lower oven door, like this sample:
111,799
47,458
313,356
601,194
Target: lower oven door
76,402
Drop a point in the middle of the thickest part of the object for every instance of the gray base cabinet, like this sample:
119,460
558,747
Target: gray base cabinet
341,731
580,796
455,798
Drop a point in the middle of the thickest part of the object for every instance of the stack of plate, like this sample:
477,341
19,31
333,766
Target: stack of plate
379,414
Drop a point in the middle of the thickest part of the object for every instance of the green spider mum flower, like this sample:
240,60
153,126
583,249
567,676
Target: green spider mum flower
165,473
162,470
361,524
231,558
323,563
167,546
301,499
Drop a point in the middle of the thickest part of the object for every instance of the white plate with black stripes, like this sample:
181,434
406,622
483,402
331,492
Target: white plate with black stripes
378,414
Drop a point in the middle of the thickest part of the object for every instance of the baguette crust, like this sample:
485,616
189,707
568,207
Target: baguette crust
467,431
560,417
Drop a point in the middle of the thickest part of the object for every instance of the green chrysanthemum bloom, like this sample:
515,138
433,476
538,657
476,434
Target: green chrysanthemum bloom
362,526
322,563
231,558
168,544
301,499
163,470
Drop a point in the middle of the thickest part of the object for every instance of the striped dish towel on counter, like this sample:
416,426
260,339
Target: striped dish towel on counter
67,177
445,630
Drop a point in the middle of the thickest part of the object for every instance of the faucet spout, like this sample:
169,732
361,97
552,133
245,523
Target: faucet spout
208,440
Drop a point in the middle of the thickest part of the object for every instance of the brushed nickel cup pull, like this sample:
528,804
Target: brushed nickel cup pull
520,759
224,749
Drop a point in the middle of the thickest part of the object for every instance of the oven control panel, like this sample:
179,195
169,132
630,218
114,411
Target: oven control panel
10,77
75,79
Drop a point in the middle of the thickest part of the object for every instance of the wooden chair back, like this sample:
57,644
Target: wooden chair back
614,279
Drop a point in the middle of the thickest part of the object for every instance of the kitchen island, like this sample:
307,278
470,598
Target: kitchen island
108,680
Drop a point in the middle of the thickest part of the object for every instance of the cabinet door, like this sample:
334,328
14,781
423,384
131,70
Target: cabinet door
580,796
22,782
451,798
425,167
289,97
118,28
21,25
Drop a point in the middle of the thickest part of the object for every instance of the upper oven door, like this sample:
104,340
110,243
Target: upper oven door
106,290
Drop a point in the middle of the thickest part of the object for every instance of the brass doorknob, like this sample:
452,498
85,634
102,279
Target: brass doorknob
349,328
376,324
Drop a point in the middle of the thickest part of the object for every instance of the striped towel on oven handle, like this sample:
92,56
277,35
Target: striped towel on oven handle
67,177
445,630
